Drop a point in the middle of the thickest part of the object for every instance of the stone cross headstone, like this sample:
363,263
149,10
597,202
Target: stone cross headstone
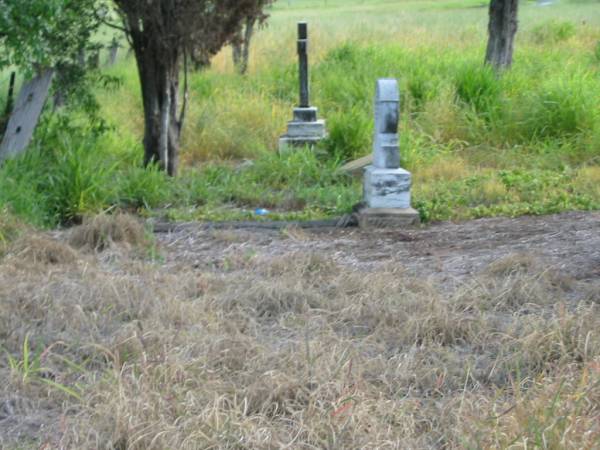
386,185
303,65
304,129
25,115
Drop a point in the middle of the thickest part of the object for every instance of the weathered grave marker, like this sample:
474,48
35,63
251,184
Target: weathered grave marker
113,52
305,128
25,115
386,185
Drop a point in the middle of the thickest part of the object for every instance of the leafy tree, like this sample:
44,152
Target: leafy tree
163,34
37,34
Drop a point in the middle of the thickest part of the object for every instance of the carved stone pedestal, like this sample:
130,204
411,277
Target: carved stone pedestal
388,218
304,130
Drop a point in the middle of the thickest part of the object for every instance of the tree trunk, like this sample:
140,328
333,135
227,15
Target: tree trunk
241,47
159,78
200,60
249,32
237,53
502,30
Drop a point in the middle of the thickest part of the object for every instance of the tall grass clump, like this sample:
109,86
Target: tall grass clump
553,31
422,87
79,179
349,133
478,87
139,187
66,173
562,107
243,126
344,80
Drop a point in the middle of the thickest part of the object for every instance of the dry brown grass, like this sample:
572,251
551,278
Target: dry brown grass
10,227
296,352
99,232
39,249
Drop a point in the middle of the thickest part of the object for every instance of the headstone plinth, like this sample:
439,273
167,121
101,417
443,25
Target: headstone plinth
308,114
305,129
387,186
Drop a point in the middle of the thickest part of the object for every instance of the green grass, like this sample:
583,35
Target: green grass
539,121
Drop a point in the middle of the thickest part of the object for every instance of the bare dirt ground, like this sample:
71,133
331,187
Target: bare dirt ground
483,334
568,242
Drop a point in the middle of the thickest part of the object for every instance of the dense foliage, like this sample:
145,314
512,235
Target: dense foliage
44,33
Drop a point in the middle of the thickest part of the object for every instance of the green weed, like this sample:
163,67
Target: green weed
28,368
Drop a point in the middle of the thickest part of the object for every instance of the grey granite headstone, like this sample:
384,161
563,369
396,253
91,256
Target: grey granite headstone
304,129
387,186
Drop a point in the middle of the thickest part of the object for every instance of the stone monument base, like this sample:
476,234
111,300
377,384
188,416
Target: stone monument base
387,218
304,130
287,143
387,188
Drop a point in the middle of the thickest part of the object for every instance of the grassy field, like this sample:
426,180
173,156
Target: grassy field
479,145
481,335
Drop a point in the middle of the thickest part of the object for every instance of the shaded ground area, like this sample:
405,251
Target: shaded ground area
568,242
475,335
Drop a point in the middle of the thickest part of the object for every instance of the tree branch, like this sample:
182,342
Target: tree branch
109,24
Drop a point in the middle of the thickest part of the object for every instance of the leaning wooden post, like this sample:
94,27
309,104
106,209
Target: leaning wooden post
25,116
